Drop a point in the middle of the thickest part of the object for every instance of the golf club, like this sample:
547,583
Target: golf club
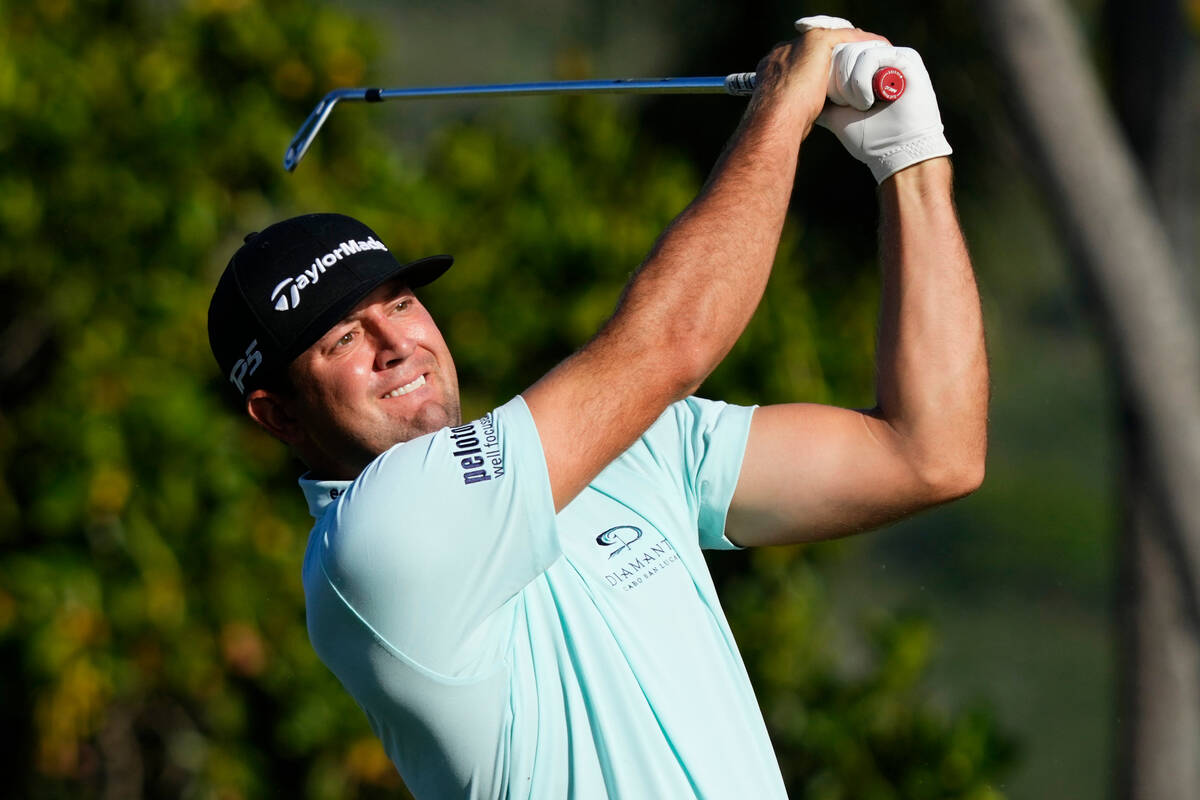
888,84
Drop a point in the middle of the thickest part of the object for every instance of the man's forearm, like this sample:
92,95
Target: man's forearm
695,293
705,275
931,363
679,314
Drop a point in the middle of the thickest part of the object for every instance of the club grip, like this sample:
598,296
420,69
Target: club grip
887,83
740,84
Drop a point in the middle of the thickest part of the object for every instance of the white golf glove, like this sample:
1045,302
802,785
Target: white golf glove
887,137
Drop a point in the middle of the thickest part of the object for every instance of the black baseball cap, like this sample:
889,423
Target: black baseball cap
289,284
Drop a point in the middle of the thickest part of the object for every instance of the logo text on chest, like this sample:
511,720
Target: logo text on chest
635,571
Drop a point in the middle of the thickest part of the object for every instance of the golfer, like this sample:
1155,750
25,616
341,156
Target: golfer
520,602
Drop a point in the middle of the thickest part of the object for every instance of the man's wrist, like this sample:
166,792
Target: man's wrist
931,177
782,103
774,124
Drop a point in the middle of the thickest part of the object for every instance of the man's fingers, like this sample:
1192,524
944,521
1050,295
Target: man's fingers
853,70
806,24
846,32
834,37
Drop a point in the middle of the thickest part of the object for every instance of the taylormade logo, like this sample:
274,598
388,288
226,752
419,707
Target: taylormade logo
286,295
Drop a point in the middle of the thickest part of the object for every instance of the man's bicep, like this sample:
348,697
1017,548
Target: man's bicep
816,472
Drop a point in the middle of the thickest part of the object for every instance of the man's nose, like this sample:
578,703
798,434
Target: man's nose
393,342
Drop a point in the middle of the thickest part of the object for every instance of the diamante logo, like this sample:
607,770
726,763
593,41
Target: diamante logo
624,535
636,567
286,294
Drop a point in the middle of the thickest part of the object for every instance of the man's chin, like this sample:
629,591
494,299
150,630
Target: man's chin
432,417
429,419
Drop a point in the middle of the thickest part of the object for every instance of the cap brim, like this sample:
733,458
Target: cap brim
415,273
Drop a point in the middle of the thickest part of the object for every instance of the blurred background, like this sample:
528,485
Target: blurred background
1036,640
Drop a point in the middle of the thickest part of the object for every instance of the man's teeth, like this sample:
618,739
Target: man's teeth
408,387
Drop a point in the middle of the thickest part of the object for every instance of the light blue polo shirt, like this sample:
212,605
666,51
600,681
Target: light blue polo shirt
502,650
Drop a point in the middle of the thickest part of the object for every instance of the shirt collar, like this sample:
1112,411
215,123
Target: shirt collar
321,493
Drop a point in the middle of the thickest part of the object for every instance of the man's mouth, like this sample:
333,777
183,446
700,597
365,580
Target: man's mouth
408,387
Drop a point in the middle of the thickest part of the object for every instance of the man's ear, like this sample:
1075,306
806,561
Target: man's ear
272,411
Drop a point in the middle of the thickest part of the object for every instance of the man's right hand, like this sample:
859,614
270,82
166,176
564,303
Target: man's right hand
799,70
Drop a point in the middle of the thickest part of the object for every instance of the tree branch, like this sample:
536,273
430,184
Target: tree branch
1104,206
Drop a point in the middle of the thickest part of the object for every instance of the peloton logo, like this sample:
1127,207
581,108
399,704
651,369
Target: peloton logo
624,535
286,295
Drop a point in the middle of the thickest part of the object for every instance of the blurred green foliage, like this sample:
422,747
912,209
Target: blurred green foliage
152,638
854,731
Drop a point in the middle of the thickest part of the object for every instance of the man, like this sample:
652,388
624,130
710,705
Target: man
520,603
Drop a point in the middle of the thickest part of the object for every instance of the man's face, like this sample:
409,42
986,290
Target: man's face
380,376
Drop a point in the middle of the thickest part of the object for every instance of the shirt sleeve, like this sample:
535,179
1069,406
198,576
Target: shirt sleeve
439,533
706,441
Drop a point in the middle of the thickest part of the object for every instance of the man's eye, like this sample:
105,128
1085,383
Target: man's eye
345,340
401,305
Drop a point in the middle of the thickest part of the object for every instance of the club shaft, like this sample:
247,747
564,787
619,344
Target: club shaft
736,84
708,85
739,83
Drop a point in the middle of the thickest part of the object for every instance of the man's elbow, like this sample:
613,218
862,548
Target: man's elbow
951,479
687,358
